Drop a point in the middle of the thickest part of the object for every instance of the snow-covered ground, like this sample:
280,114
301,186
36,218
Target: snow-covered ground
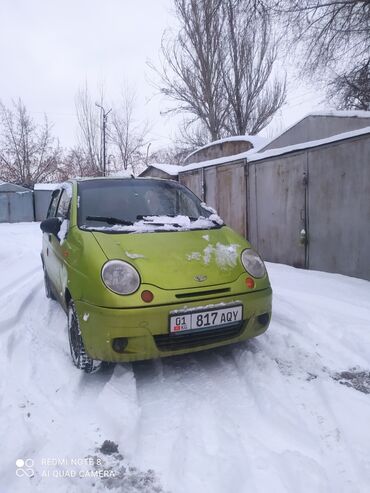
286,412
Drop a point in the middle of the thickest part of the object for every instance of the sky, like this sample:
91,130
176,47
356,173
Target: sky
49,49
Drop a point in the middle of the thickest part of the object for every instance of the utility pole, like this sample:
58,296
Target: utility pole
104,125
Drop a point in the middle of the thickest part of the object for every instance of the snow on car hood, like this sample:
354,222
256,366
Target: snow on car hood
179,259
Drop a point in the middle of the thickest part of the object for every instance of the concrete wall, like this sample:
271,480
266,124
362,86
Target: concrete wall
317,127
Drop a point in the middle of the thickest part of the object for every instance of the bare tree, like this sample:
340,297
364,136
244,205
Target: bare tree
28,152
128,135
352,90
192,71
75,163
334,38
89,130
254,95
219,67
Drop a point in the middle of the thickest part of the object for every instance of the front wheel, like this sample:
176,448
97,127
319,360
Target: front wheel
79,356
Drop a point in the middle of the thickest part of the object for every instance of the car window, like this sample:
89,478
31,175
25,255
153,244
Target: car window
129,200
64,205
53,203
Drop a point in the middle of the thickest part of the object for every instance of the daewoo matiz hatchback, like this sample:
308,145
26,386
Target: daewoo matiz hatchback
144,269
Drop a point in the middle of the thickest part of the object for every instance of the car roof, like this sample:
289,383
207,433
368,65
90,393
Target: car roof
112,178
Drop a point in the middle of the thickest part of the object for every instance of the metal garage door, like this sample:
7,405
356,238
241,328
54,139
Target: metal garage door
278,209
339,208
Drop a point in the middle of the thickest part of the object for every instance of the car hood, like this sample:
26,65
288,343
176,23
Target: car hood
180,259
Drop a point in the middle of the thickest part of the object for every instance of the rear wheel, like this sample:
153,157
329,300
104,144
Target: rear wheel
48,291
79,356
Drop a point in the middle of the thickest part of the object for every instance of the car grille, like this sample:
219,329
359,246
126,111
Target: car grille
202,293
171,342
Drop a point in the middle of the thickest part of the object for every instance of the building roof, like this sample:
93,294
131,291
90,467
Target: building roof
46,186
170,169
323,113
308,145
255,140
12,187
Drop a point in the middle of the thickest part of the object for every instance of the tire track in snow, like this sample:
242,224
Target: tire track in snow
6,324
19,281
195,407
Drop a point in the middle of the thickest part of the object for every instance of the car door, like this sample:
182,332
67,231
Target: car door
57,242
47,241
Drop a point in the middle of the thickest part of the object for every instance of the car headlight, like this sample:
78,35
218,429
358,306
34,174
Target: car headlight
120,277
253,263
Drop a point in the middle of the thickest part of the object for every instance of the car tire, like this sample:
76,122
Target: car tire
79,356
48,291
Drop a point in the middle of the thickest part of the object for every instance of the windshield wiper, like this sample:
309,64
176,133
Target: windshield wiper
142,217
109,220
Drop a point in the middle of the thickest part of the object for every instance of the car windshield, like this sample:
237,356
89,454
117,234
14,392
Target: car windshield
138,204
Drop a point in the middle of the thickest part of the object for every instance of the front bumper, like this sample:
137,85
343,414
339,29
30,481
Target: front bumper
147,328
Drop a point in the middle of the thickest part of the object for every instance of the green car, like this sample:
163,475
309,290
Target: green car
144,269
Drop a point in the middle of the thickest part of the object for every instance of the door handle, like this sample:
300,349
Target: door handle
303,237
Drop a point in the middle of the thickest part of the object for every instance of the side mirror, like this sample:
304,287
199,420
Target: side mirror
51,225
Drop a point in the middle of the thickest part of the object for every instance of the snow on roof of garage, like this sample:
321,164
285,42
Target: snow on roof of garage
170,169
219,160
12,187
341,113
46,186
307,145
255,140
253,155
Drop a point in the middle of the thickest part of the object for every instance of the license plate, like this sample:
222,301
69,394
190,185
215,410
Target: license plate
204,319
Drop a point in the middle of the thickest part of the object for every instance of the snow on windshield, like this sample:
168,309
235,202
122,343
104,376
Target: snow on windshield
150,224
